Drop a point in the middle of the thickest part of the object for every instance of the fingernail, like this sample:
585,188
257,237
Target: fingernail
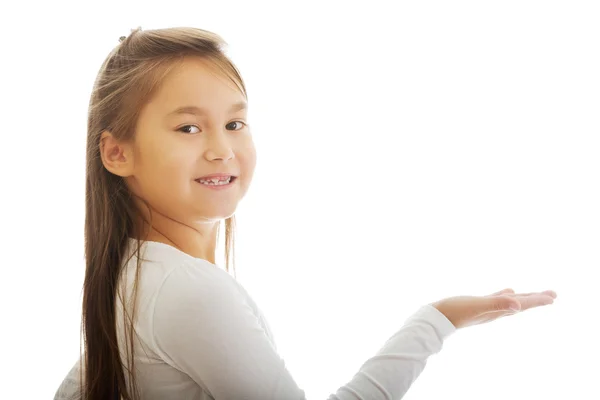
514,307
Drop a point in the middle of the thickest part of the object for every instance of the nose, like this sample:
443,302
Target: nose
219,148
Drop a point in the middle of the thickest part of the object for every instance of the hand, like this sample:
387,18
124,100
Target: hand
465,311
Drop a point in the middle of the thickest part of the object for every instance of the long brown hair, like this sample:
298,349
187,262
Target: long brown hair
127,79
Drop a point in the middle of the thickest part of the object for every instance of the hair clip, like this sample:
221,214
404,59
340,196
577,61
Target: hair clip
122,39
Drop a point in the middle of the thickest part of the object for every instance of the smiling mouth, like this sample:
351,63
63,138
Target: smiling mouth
223,181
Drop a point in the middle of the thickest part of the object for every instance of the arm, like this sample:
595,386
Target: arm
212,334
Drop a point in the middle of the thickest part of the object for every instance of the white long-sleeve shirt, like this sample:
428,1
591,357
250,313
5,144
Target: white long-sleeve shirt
201,336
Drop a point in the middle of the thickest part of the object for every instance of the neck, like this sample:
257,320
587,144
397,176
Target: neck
199,240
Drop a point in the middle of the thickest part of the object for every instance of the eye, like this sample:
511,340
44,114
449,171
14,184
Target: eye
241,124
187,128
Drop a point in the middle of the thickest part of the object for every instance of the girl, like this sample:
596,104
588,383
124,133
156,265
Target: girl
169,157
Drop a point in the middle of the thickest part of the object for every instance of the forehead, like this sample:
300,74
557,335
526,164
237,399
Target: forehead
196,82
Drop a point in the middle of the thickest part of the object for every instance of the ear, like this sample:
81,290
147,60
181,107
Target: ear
116,156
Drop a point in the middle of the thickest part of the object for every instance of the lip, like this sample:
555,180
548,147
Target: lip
218,175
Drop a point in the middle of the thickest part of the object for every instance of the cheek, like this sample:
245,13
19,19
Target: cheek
248,160
162,170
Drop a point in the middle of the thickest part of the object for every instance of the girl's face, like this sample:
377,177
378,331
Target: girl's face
194,126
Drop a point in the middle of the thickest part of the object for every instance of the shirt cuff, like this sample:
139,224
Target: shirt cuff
432,315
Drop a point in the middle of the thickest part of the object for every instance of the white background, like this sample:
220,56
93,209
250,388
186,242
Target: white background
407,152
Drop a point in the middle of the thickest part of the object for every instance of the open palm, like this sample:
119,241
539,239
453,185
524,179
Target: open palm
464,311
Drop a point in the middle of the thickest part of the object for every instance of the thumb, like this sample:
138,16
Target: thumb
502,303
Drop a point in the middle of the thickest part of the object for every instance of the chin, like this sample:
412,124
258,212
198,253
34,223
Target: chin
217,215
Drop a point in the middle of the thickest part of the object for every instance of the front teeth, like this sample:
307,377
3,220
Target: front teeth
215,181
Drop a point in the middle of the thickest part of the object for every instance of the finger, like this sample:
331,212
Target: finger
550,293
504,291
534,300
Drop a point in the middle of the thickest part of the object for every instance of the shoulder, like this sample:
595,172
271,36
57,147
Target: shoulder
70,387
199,305
177,282
198,287
173,285
172,272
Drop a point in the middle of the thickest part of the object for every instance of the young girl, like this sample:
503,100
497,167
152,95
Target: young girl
169,157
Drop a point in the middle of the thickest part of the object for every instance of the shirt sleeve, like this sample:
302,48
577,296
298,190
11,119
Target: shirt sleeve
69,388
211,333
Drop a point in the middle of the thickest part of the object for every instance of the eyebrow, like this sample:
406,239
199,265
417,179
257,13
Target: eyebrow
242,105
